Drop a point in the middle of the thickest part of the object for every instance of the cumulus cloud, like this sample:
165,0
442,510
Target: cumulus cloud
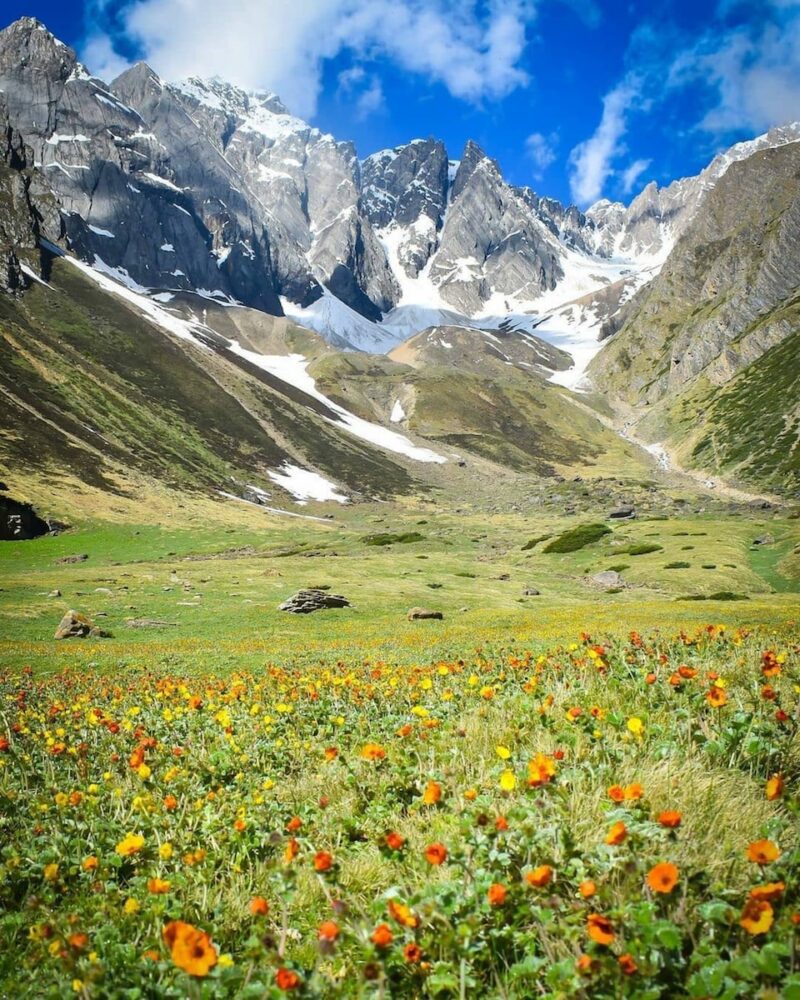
541,150
592,161
363,91
473,47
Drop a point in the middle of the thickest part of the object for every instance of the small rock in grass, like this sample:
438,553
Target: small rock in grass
424,614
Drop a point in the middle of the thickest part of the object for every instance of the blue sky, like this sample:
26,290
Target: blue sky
578,98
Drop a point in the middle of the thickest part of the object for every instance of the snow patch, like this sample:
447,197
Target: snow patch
398,413
305,485
102,232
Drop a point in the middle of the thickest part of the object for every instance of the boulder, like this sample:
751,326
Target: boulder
304,602
607,579
424,614
531,592
77,626
625,512
767,539
66,560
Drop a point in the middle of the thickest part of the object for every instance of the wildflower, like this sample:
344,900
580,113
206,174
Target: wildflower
382,936
286,979
471,794
78,941
190,948
633,792
763,852
373,751
90,864
294,824
502,752
323,861
402,913
616,793
635,726
435,854
131,906
587,888
670,819
585,965
130,845
508,780
769,892
50,872
395,841
158,886
291,850
170,803
540,770
500,824
412,953
497,894
540,876
716,697
599,928
774,788
331,753
259,907
432,793
328,932
617,834
757,916
663,877
165,851
627,964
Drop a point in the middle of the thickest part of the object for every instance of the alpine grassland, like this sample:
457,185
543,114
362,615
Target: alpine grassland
575,793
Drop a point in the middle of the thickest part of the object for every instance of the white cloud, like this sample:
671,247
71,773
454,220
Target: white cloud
541,150
591,161
756,75
632,173
472,47
363,91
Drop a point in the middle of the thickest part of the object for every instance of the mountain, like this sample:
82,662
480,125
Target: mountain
200,186
707,354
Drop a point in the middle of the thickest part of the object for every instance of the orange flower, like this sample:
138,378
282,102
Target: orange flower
191,949
402,914
291,850
599,928
78,941
670,819
634,791
663,877
470,795
763,852
286,979
774,788
412,953
395,840
716,697
90,864
294,824
500,824
328,931
757,916
585,965
323,861
497,894
587,889
373,751
239,825
627,964
382,936
769,892
331,753
170,803
617,834
540,770
158,886
617,793
259,906
435,854
540,876
432,793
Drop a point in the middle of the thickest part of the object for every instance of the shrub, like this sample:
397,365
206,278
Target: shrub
535,541
677,565
642,549
618,568
389,539
577,538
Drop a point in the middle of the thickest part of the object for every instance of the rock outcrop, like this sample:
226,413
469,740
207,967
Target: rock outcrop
305,602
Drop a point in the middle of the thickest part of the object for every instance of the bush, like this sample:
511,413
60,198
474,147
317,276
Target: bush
535,541
677,565
618,568
577,538
642,549
388,539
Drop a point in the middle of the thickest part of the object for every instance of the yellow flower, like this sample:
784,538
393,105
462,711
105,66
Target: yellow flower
131,906
130,845
225,961
143,771
635,726
502,752
165,851
508,780
50,872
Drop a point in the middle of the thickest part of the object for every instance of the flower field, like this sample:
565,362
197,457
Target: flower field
609,818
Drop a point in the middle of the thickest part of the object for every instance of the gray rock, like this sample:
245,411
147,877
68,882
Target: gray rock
424,614
305,602
75,625
531,592
67,560
622,513
607,579
767,539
